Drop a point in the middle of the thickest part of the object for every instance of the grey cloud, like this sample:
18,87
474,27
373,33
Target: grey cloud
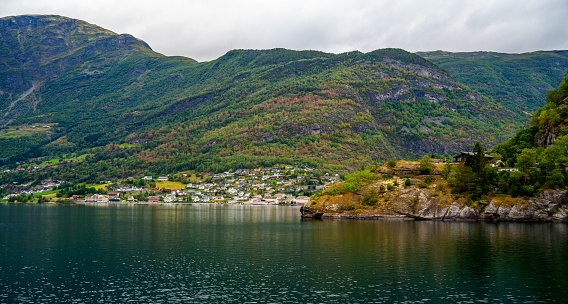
206,29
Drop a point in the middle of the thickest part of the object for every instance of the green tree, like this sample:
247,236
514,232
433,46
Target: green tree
391,163
464,179
370,199
477,161
526,160
520,184
446,171
426,165
555,179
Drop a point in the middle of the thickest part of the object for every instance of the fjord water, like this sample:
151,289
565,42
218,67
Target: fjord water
267,254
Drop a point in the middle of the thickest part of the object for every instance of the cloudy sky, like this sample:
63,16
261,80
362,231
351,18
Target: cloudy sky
207,29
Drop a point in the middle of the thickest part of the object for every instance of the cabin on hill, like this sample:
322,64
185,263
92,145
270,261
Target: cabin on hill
461,158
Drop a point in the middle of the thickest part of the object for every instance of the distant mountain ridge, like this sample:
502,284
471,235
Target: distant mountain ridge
516,81
112,97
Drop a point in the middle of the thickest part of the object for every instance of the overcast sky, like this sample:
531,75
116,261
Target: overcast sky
207,29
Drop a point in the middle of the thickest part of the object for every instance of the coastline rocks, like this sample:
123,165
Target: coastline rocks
560,216
453,212
422,204
528,212
433,212
469,214
490,212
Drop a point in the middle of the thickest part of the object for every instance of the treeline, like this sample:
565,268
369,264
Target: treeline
539,154
477,178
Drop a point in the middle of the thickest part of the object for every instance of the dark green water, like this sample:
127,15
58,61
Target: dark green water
267,254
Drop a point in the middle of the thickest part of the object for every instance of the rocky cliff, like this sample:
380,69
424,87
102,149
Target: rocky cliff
421,204
388,198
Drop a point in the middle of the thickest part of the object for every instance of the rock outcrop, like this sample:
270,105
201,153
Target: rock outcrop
421,204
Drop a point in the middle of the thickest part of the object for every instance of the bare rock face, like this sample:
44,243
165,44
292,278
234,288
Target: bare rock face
433,212
428,212
423,204
516,214
453,212
441,212
555,196
468,213
490,212
560,216
521,214
545,138
502,212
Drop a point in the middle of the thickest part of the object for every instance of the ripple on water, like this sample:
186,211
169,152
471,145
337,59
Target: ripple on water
264,255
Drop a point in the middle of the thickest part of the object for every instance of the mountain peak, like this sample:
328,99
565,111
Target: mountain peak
35,48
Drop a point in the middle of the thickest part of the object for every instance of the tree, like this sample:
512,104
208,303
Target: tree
477,161
426,165
464,179
526,160
555,179
446,171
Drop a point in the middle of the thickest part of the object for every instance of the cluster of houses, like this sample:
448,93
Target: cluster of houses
263,186
29,169
36,126
27,189
102,198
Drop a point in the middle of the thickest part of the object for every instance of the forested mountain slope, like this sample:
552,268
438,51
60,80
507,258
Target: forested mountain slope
517,81
151,113
547,135
531,188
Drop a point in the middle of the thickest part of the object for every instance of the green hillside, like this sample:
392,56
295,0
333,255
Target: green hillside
547,134
519,82
525,178
134,111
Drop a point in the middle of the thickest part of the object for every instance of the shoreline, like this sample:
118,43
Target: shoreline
487,217
387,217
142,203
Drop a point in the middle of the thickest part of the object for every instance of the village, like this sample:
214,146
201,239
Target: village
290,185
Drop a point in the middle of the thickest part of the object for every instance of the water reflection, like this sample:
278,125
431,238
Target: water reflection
239,254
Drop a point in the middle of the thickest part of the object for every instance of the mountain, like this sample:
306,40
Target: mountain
519,82
129,110
547,135
38,49
531,189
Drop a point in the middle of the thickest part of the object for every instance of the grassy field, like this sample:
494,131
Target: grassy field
98,187
51,197
58,160
21,131
47,193
170,185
